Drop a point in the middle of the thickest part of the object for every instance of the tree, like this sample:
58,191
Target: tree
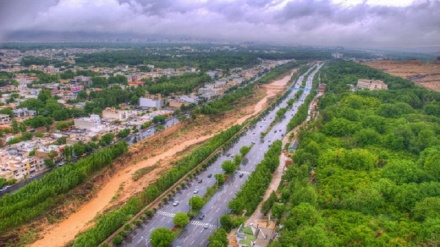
229,166
15,128
79,148
181,219
244,150
44,95
225,220
160,119
196,202
161,237
49,163
82,95
106,139
124,133
63,125
429,208
134,100
219,238
220,179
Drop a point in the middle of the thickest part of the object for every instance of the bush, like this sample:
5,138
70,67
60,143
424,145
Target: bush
117,240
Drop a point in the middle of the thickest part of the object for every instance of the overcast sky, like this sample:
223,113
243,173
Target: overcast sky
361,23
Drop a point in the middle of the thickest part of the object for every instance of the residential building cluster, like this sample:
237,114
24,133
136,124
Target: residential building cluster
26,158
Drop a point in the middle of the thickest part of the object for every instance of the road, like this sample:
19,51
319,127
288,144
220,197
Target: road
195,234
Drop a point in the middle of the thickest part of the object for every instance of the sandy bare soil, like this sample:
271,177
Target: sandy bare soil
421,73
120,186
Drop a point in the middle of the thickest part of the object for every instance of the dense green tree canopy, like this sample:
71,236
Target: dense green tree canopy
375,161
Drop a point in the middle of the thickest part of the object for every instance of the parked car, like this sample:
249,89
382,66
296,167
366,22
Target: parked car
210,175
241,175
200,181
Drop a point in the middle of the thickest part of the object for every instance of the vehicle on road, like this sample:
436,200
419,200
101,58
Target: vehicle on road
201,216
200,181
175,203
196,191
206,226
241,175
210,175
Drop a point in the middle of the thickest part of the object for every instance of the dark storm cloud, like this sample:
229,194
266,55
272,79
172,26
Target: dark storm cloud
315,22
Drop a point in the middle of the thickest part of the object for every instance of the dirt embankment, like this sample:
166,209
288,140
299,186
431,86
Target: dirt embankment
116,187
421,73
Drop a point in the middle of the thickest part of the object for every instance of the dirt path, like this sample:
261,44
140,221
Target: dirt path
65,231
421,73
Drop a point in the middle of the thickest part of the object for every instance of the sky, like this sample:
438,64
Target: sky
400,24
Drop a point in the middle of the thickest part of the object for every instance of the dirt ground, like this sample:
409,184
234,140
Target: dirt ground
163,150
421,73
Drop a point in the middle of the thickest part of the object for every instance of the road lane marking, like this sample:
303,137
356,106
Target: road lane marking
167,214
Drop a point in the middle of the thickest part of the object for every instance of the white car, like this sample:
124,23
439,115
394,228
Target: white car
196,191
175,203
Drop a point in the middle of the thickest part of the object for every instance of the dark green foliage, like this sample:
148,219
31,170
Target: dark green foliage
267,205
375,157
124,133
181,219
161,237
254,188
185,84
219,238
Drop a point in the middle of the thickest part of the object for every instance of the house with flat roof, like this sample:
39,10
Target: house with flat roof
94,121
371,84
5,119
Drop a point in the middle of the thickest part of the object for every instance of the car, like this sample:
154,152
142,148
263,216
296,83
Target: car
196,191
210,175
228,154
241,174
275,131
201,216
175,203
206,226
200,181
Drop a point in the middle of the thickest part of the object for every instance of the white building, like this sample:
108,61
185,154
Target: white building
150,103
112,113
4,119
371,84
94,121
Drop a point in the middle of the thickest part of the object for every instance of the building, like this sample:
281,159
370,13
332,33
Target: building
293,146
24,112
4,119
151,101
254,236
337,55
94,121
371,84
112,113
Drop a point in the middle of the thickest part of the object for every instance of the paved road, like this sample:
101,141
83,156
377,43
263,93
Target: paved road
195,234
